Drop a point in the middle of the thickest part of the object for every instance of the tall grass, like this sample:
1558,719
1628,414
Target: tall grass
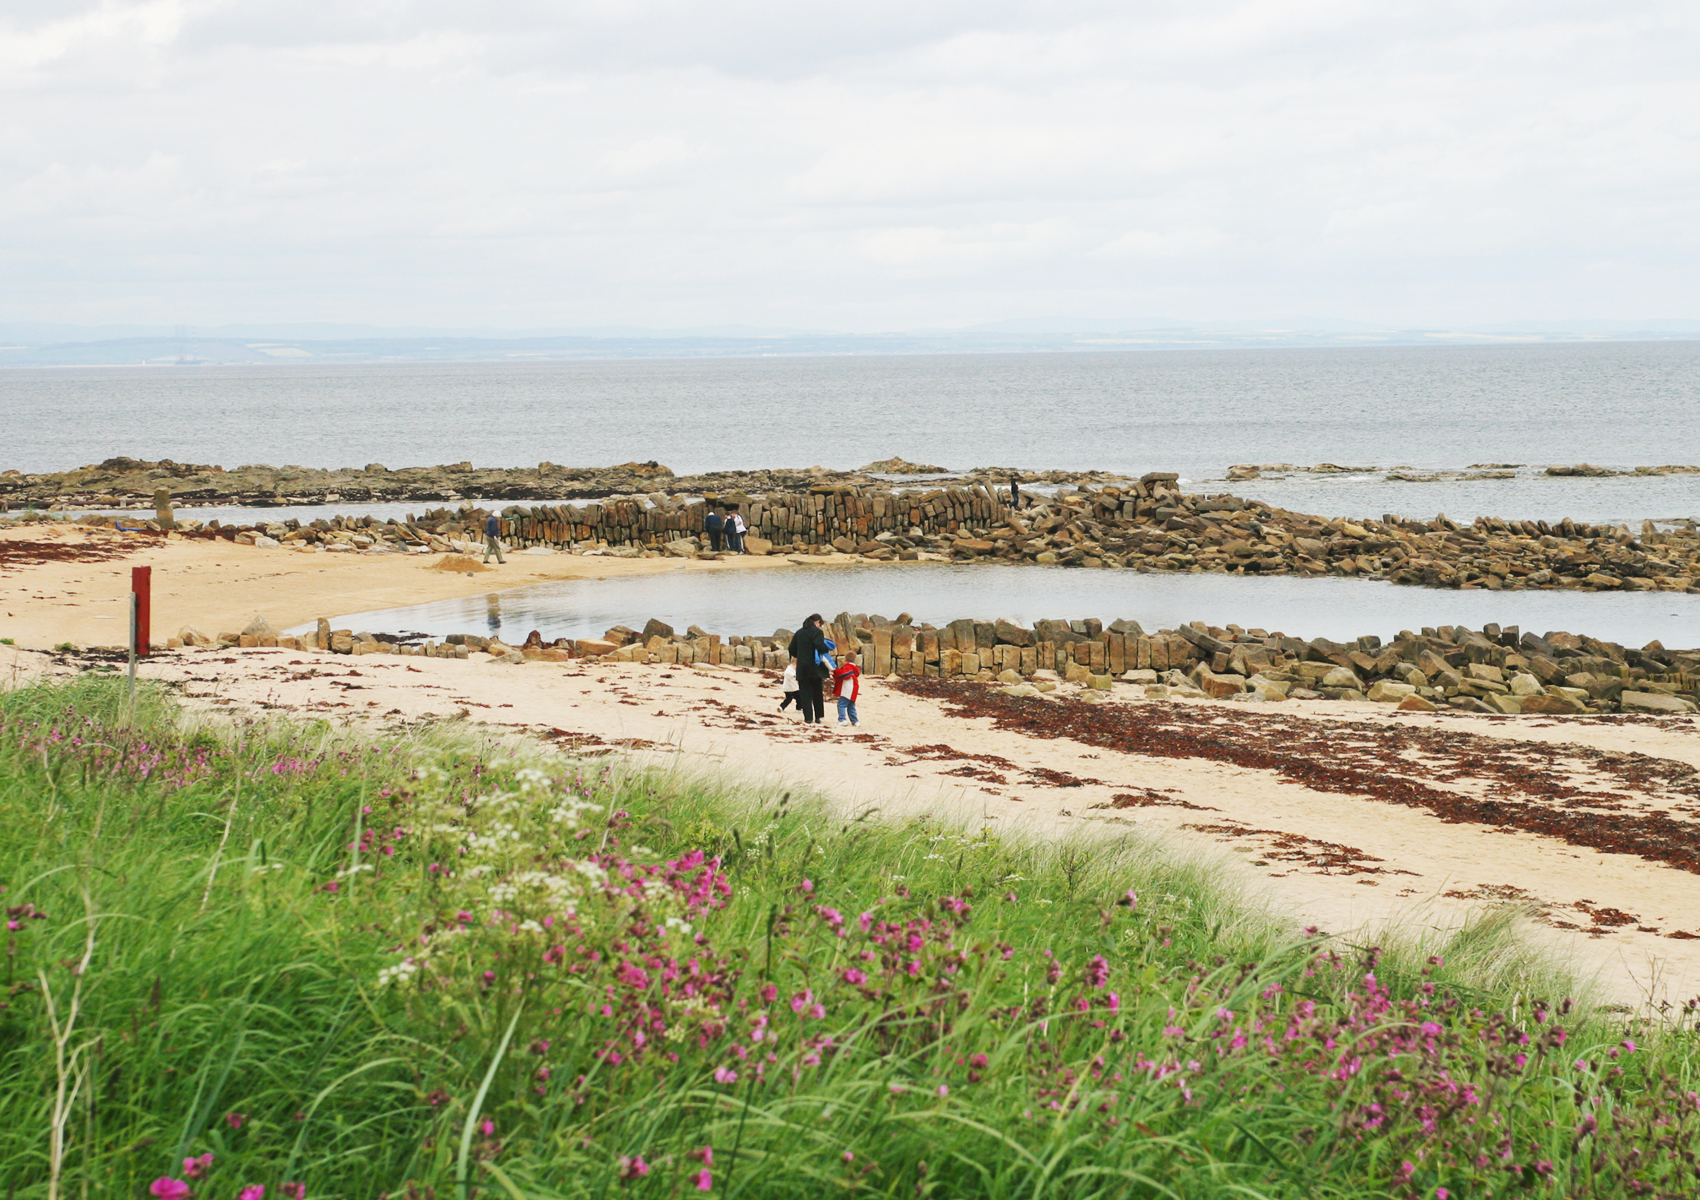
350,966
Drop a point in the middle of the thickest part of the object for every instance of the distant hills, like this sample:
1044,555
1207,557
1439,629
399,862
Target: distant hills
44,344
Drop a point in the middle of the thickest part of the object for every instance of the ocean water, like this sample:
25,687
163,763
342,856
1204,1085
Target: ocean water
1617,404
758,602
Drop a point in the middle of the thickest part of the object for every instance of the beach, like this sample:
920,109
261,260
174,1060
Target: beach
1333,854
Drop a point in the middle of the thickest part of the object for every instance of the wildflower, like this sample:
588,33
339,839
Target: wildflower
194,1168
705,1180
295,1191
848,1157
633,1167
807,886
725,1075
978,1061
488,1128
253,1192
854,977
706,1154
235,1119
1629,1046
167,1188
769,994
944,1089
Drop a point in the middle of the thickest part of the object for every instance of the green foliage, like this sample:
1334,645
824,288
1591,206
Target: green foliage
423,966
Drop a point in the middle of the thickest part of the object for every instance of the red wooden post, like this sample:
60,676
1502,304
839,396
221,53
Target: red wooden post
141,583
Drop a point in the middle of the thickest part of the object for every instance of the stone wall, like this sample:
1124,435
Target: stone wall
820,516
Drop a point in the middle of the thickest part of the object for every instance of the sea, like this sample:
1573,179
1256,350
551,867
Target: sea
1411,410
1411,430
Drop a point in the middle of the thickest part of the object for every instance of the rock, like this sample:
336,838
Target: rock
757,545
1526,685
259,627
1554,703
1415,703
342,641
1484,671
1265,689
266,543
1139,676
682,548
1219,686
1009,676
1011,634
1508,704
1020,689
1076,673
899,466
655,627
1385,691
1099,683
1045,558
1655,702
1343,677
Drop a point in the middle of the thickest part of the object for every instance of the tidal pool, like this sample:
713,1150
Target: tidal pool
758,602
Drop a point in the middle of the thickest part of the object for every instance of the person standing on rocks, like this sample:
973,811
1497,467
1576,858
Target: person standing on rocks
714,525
1014,493
492,539
807,646
734,529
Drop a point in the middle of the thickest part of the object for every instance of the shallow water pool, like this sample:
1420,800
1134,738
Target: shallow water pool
758,602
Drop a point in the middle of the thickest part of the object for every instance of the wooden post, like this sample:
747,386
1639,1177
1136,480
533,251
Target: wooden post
141,587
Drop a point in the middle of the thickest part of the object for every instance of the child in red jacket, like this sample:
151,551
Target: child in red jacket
847,685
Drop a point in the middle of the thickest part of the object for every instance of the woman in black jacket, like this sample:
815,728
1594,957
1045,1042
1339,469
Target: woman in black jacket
807,645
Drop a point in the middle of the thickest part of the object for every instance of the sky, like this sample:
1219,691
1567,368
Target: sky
876,165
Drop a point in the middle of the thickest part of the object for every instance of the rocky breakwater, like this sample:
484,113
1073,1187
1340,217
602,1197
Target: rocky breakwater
129,481
1494,670
1151,526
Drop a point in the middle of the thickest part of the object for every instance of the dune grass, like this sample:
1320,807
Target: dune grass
328,963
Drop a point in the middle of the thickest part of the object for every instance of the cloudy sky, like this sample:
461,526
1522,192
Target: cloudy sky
882,164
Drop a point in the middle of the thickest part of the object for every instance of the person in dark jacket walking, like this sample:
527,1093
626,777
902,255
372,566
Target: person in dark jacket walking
807,646
492,539
713,525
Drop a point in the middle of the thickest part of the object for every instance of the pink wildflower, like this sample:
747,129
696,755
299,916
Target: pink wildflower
295,1191
705,1180
194,1168
944,1089
169,1189
725,1075
255,1191
978,1061
854,977
487,1128
235,1119
769,994
807,886
633,1167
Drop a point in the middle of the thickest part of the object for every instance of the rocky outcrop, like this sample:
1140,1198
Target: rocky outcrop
1494,670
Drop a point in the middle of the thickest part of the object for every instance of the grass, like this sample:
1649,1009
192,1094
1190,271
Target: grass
345,965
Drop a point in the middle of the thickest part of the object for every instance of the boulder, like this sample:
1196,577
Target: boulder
259,627
190,636
1416,703
1526,685
682,548
1506,703
1099,683
1219,686
1009,676
757,545
1011,634
1655,702
1553,703
655,627
1385,691
1343,677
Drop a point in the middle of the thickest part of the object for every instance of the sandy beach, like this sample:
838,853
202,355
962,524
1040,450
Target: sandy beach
1339,855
